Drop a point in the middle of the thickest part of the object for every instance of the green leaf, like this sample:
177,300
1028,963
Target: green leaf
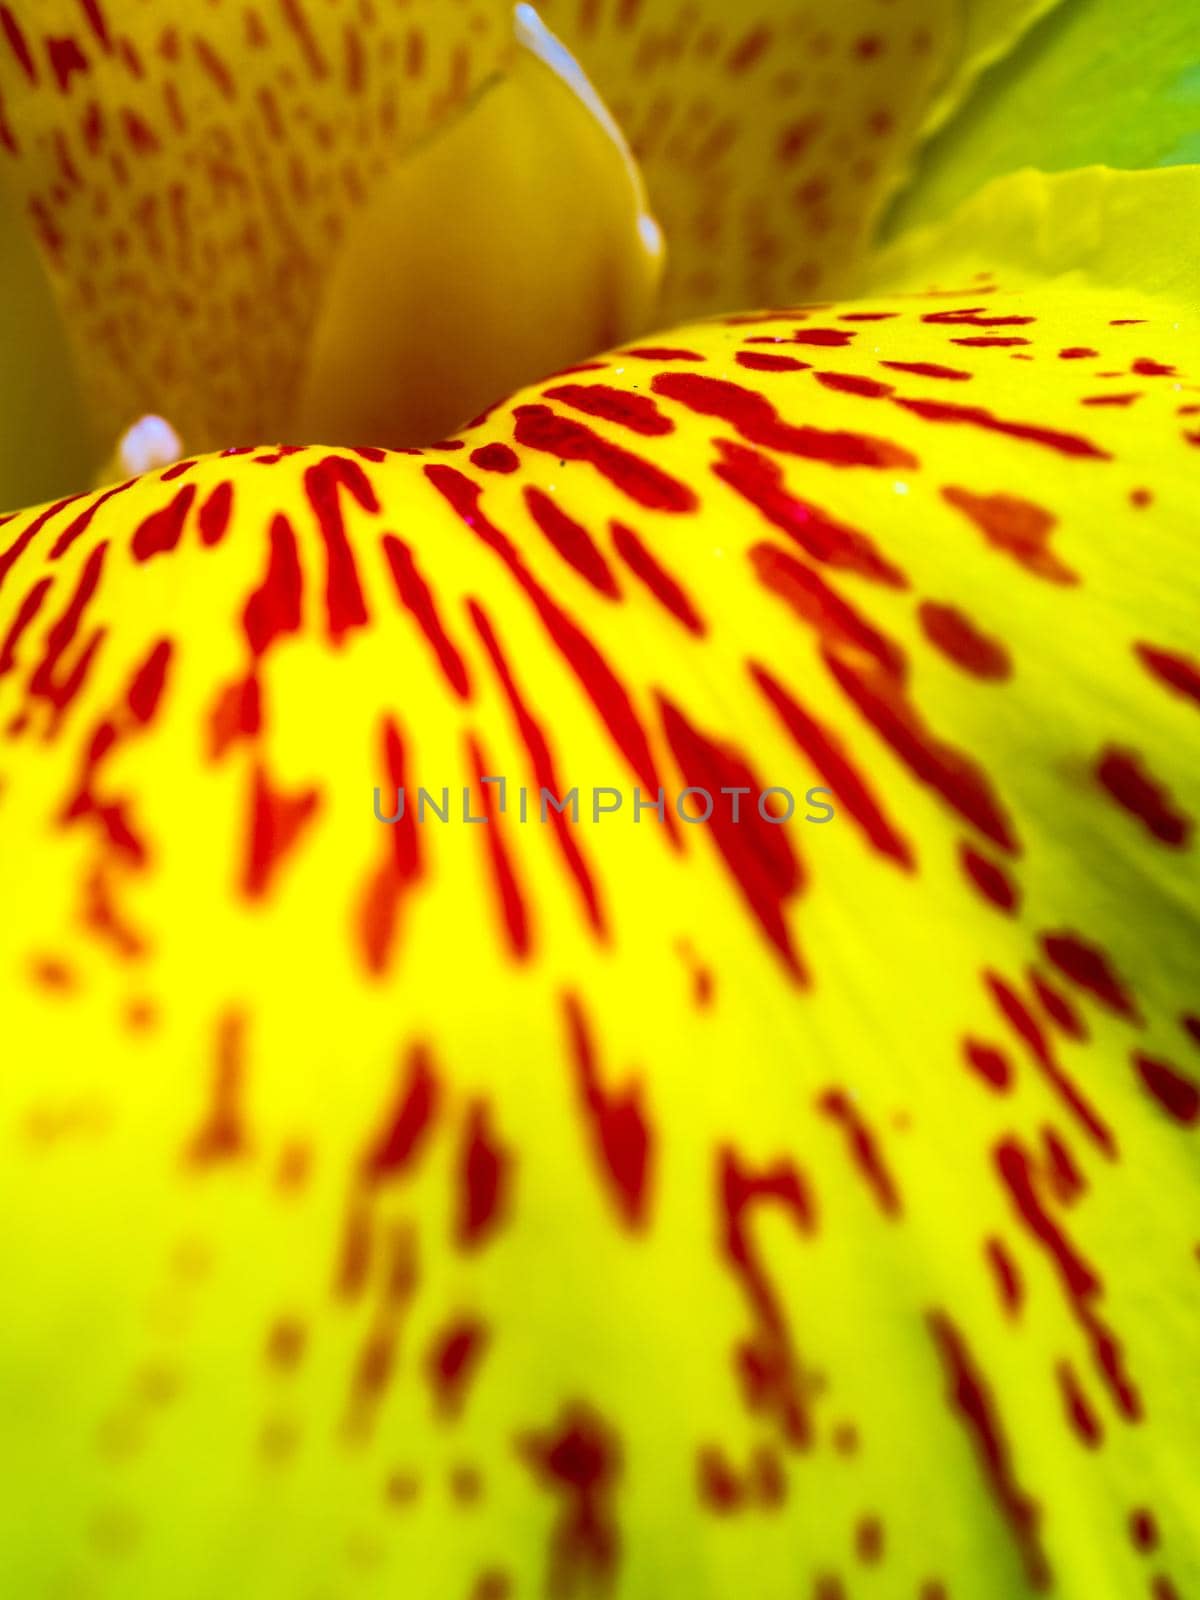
1091,83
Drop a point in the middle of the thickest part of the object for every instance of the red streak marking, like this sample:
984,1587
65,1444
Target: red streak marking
953,633
830,338
285,1344
665,589
495,457
624,1141
223,1136
452,1361
146,690
1122,773
356,60
492,1585
1109,399
277,820
485,1172
747,51
606,692
1025,1026
572,542
379,912
297,20
758,422
828,1586
542,429
929,369
18,44
703,982
84,520
867,316
102,916
756,852
1077,352
1145,368
579,1459
1180,673
868,1540
1008,1279
29,609
636,412
768,1364
1091,968
406,1127
851,383
512,902
236,714
864,1149
984,342
941,767
825,752
968,1394
1080,1415
343,591
975,317
1067,444
1057,1007
1079,1280
139,133
1017,527
717,1484
160,533
544,772
96,21
836,621
417,597
43,683
763,361
1178,1096
722,1489
760,481
662,352
990,879
213,516
1143,1529
988,1063
66,58
274,608
216,68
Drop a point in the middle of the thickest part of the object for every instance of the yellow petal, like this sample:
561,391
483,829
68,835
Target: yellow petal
524,1208
201,178
515,243
772,133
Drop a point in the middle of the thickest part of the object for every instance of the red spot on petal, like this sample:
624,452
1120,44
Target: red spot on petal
1016,526
1123,774
617,1123
408,1123
1179,1096
953,633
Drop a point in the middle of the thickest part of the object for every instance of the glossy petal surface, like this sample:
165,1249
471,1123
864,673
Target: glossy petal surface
620,1208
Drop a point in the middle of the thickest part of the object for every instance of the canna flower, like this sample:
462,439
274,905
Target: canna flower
619,1204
